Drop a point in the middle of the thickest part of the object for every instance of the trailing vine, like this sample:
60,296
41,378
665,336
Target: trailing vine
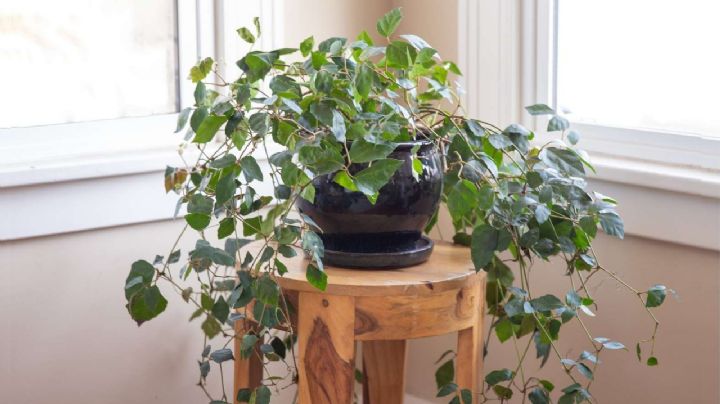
316,110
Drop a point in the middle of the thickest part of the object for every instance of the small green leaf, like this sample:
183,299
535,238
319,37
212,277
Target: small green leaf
316,277
306,46
211,327
221,310
463,198
612,224
197,221
557,123
447,389
345,181
539,109
146,304
250,168
338,126
573,137
246,35
656,296
364,80
502,392
221,355
225,189
652,361
262,395
497,376
546,303
389,22
226,227
445,374
182,119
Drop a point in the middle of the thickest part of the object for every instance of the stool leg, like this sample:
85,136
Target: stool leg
326,348
469,362
384,368
248,372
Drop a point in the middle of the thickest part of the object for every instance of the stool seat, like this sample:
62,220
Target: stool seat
381,308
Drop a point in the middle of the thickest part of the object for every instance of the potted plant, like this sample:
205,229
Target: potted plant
366,139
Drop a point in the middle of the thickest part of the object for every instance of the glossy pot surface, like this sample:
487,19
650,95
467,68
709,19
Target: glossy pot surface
395,222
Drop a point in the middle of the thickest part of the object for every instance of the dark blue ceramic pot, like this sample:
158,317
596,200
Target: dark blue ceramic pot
350,223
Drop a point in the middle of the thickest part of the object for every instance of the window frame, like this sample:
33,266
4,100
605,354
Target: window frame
71,177
90,149
668,183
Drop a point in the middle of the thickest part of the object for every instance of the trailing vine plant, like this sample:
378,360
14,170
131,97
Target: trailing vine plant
314,111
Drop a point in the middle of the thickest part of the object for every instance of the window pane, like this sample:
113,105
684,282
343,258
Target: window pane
79,60
641,63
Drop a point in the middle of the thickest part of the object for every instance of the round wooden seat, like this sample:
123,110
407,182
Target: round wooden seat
381,308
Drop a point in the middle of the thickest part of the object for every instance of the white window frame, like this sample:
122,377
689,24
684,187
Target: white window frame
84,165
507,52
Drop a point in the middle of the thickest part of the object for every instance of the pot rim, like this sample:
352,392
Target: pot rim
403,146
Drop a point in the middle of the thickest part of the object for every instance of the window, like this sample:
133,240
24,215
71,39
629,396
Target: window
80,60
644,64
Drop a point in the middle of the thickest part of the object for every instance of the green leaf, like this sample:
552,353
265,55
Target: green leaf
324,82
306,46
267,291
539,109
211,327
197,221
338,126
140,276
502,392
447,389
400,54
146,304
203,249
557,123
316,277
221,310
656,296
539,396
483,246
652,361
251,225
370,180
246,35
208,128
612,224
497,376
463,198
321,160
584,370
226,228
182,119
225,189
573,137
251,169
542,213
222,355
201,70
345,181
389,22
362,151
364,80
504,329
445,374
262,395
564,160
546,303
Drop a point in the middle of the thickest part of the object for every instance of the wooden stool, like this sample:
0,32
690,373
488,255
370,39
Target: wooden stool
381,308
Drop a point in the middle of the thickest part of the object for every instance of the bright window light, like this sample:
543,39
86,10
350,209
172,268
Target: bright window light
649,64
80,60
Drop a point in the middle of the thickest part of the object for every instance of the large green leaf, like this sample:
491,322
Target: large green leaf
484,243
370,180
208,128
564,160
362,151
463,198
250,168
316,277
146,304
612,223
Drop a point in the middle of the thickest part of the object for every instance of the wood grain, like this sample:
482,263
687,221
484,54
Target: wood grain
384,371
406,317
468,364
326,349
448,268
